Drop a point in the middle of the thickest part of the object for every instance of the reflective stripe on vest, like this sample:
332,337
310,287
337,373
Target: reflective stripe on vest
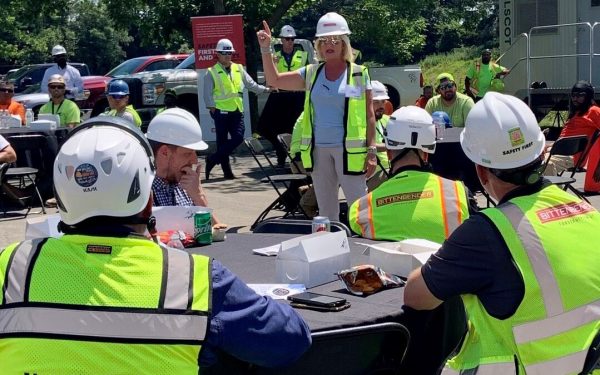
228,90
98,323
484,369
557,321
14,289
177,324
451,205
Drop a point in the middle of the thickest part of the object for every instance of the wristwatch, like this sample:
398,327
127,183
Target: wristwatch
372,150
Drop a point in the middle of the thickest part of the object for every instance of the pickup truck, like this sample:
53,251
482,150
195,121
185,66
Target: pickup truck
147,89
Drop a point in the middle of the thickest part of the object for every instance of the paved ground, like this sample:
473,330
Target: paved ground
236,202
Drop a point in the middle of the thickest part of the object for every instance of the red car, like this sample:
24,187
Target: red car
96,85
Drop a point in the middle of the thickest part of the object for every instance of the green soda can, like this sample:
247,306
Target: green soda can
202,228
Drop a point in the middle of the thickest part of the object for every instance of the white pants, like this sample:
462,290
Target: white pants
328,175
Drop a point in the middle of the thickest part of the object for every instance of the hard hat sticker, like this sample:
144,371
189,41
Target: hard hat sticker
516,137
86,175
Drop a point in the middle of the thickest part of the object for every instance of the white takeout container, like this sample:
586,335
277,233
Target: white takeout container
313,259
400,258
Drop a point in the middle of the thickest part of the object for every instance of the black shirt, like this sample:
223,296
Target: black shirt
475,260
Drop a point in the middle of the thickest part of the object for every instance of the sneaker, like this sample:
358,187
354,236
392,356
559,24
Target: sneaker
51,203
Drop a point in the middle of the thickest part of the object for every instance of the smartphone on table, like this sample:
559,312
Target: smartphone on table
319,302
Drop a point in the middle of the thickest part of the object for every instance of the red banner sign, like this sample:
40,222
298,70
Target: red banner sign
208,30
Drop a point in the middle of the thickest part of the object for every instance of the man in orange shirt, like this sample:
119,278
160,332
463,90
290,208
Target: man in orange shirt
423,99
584,119
7,90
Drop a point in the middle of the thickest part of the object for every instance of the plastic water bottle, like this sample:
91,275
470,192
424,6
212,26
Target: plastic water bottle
29,116
175,241
441,120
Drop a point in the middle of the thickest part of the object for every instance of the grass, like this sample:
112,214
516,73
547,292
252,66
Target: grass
455,62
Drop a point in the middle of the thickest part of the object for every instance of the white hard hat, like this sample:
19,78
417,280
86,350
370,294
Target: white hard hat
58,50
178,127
501,132
379,91
104,168
287,32
332,24
410,127
224,45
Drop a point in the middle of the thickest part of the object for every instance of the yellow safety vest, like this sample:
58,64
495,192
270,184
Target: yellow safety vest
551,236
355,116
299,59
102,305
228,91
136,117
379,138
427,206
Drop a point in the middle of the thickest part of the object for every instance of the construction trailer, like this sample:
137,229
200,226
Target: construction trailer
549,45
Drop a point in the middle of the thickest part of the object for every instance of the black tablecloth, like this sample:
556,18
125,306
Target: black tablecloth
450,161
433,333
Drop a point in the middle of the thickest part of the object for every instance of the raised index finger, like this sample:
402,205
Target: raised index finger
266,27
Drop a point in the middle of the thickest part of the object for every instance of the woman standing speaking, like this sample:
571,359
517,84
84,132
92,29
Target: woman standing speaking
338,130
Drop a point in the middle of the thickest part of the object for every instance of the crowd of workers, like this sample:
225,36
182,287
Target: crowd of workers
104,297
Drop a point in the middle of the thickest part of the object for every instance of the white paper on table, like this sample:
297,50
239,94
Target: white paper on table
269,251
277,291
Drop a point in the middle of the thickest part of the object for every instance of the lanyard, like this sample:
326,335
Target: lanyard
57,109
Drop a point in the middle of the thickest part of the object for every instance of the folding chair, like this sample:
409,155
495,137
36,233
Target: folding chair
292,226
277,181
373,349
24,175
569,146
286,141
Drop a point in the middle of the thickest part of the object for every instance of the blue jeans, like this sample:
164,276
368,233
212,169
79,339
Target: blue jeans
229,128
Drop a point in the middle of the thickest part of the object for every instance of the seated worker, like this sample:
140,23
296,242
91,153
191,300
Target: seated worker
424,98
104,299
413,202
380,97
117,93
66,109
308,199
527,269
7,91
175,136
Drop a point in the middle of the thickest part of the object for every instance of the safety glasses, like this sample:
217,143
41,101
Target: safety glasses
333,39
578,94
117,96
56,87
447,86
226,53
288,39
7,91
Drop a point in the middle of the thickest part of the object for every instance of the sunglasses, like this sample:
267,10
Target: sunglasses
288,39
226,53
117,96
8,91
56,87
578,94
447,86
330,39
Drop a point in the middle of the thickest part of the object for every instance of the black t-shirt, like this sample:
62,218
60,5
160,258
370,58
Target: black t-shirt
475,260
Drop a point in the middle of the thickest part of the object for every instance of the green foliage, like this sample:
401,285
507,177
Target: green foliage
83,27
